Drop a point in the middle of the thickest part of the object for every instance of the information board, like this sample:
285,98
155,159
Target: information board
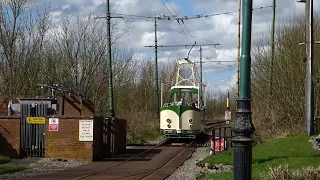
85,130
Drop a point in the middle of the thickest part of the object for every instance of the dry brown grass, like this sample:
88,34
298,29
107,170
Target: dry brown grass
142,126
282,172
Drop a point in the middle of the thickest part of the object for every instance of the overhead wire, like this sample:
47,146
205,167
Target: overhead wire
199,16
177,20
151,18
181,20
183,33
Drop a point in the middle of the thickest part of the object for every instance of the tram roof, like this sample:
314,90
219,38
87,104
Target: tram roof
178,89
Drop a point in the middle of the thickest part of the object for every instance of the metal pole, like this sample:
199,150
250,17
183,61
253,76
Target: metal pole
201,90
201,94
161,98
272,46
238,64
110,84
156,66
309,70
243,127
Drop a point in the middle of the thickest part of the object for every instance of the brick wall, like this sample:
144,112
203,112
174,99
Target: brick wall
10,137
65,142
4,100
74,107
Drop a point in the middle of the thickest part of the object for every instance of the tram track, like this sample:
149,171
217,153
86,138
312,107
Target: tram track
104,169
156,162
92,173
156,172
153,172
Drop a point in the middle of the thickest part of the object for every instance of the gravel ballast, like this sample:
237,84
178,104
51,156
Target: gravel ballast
41,167
192,168
189,170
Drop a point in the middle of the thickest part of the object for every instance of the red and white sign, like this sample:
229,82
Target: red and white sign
218,144
53,124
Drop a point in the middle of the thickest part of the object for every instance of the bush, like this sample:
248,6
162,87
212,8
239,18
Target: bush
142,127
283,172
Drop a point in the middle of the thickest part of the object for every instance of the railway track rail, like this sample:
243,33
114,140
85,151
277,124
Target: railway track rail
214,124
107,168
156,162
153,173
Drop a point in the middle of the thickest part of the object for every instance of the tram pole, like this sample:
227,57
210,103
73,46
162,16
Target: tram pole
156,66
201,94
309,70
309,91
272,46
243,127
110,83
238,56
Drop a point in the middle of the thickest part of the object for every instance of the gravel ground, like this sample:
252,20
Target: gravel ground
42,166
189,170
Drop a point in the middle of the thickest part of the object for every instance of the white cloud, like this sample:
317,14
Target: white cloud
66,6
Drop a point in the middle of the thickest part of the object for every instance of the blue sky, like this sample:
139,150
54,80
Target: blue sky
220,29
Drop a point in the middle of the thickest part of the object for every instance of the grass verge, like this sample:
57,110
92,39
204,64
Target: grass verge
9,168
4,159
295,151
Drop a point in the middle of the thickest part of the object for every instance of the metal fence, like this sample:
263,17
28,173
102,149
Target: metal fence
32,135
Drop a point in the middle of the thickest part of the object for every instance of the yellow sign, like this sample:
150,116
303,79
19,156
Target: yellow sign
36,120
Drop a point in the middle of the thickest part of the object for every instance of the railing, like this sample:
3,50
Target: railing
212,124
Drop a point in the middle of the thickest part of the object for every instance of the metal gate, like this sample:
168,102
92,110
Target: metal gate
32,135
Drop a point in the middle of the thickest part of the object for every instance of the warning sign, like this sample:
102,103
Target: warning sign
53,124
36,120
218,144
227,116
85,130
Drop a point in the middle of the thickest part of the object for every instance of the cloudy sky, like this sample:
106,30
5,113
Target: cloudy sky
220,29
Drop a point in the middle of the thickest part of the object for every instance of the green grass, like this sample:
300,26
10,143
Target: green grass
4,159
295,151
9,168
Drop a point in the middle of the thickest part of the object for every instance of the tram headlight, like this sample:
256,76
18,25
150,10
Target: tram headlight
190,125
190,121
169,126
168,121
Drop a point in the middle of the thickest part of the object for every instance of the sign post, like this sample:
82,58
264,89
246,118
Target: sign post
53,124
